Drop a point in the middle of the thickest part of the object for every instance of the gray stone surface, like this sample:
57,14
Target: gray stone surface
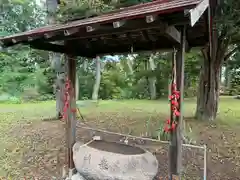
77,177
95,164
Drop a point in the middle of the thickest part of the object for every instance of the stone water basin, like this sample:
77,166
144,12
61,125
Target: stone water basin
102,160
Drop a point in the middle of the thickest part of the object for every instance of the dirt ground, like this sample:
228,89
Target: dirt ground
43,155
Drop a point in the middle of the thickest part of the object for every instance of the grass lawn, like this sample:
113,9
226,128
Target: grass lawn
22,131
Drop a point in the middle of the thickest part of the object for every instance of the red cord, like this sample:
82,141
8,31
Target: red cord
66,98
174,109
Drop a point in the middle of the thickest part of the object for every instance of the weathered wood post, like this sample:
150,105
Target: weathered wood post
175,148
71,111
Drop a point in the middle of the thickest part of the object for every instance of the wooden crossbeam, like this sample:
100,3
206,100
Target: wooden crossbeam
49,46
14,41
118,24
70,31
151,18
172,33
92,28
197,12
49,35
30,38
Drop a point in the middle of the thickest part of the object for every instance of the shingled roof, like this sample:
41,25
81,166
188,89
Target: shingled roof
141,27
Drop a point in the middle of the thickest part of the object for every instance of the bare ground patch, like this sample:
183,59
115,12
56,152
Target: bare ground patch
42,150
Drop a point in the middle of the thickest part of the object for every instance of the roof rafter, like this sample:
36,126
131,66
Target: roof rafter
146,23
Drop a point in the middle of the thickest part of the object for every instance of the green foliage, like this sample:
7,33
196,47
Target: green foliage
127,3
80,9
233,66
20,66
117,82
26,74
19,15
235,83
228,13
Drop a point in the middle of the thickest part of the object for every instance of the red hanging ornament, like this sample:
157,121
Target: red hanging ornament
174,108
174,103
177,96
168,121
171,97
177,113
66,98
166,129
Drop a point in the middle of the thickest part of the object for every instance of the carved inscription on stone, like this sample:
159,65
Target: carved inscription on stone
103,164
87,158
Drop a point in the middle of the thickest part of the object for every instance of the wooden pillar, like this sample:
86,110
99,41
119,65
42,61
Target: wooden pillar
175,148
71,112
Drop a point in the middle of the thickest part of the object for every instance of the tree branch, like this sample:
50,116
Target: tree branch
222,48
229,54
223,34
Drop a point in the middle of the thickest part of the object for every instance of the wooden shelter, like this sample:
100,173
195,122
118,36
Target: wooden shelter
157,25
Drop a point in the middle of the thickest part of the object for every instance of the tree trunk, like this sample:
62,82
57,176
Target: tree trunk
60,94
229,80
152,79
228,77
214,55
129,63
208,97
77,87
85,65
97,80
55,60
60,79
209,85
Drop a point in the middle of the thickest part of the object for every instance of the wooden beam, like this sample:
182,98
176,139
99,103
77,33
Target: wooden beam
103,40
71,113
32,38
126,48
48,35
148,36
71,31
187,46
144,36
92,28
151,18
47,46
197,12
14,41
129,26
53,47
118,24
172,33
175,148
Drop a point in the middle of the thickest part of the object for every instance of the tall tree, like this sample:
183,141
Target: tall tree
18,63
97,78
152,79
225,36
55,59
